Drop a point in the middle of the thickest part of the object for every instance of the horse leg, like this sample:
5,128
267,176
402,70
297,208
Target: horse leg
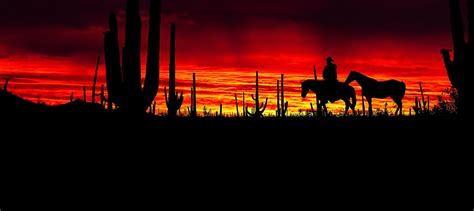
400,107
369,101
325,109
347,107
352,107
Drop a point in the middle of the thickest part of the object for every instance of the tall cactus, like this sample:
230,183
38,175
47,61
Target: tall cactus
283,106
220,110
124,80
5,86
423,101
259,108
95,79
244,114
278,111
84,93
463,59
193,110
173,102
237,106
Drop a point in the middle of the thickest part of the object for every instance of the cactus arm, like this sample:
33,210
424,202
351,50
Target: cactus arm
264,106
253,97
422,97
247,111
179,101
451,68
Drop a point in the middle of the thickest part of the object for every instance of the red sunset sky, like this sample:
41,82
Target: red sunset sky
48,48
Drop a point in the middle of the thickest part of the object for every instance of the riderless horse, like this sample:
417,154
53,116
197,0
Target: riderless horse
372,88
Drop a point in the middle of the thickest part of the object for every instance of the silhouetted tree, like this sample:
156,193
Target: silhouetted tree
447,102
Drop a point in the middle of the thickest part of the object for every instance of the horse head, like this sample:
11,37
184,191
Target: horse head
351,77
305,88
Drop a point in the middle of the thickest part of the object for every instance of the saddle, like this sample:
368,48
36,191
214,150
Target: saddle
333,88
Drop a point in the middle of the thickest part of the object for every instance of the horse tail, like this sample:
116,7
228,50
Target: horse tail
354,98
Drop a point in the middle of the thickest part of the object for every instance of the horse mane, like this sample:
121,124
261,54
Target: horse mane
364,76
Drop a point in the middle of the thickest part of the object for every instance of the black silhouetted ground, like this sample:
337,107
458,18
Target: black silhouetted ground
85,119
82,160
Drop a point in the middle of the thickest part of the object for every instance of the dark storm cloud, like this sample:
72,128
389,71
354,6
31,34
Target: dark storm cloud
362,16
366,14
74,13
333,19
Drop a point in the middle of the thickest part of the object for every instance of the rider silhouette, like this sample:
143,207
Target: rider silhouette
330,71
330,76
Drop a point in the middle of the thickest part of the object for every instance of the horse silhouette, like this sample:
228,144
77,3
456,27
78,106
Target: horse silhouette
330,92
372,88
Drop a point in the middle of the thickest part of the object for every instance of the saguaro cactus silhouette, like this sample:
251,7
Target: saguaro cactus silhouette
463,59
259,108
84,93
281,104
237,106
5,86
173,102
220,110
244,107
193,110
124,80
95,79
